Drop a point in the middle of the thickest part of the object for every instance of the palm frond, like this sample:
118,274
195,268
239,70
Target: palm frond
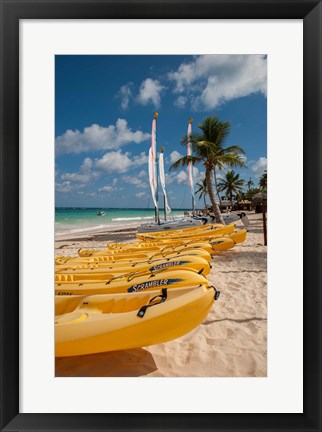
184,161
234,149
231,159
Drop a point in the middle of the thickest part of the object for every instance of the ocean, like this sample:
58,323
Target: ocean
73,220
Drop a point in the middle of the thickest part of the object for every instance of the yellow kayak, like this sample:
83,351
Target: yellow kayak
190,229
162,242
127,250
114,255
199,232
103,323
221,244
133,257
217,243
73,284
238,236
93,269
107,260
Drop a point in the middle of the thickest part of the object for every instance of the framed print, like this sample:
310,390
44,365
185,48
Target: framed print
81,84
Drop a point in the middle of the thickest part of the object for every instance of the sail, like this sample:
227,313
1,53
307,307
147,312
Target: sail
152,163
190,173
162,181
152,177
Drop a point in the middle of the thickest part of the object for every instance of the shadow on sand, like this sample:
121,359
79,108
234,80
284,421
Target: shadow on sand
127,363
235,320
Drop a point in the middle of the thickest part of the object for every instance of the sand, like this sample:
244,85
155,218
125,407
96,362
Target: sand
231,342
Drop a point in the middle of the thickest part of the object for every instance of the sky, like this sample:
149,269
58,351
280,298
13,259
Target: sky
104,108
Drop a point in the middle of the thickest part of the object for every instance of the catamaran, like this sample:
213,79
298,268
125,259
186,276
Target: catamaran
175,224
234,217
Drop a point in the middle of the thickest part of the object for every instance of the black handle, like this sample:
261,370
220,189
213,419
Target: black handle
163,298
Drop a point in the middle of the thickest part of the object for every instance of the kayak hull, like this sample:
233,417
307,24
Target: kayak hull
106,259
129,250
197,233
69,284
89,331
104,271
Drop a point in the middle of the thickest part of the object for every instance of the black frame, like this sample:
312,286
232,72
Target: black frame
11,12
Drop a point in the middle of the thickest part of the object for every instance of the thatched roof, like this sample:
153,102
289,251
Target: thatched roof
259,197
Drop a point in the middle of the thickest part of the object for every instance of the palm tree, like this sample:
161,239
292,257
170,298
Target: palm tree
208,149
203,190
250,183
231,184
251,192
263,181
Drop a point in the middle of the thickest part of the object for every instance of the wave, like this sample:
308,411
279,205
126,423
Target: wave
81,229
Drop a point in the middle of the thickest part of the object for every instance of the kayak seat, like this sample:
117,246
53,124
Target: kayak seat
71,317
117,306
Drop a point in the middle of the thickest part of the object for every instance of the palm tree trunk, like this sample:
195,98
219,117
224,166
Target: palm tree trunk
231,201
215,176
204,200
215,207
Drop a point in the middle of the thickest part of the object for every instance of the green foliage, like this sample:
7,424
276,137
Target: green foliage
208,146
202,188
263,181
250,183
208,149
231,184
251,192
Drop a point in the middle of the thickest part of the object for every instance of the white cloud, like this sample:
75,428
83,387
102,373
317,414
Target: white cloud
181,101
182,177
141,195
125,94
140,160
174,156
116,161
137,182
86,165
150,91
259,166
84,175
67,187
95,137
169,178
174,177
197,175
212,80
142,173
107,188
91,194
76,177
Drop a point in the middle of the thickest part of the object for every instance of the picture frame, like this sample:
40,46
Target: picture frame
11,12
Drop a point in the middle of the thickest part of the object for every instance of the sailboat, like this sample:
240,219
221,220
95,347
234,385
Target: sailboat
166,225
234,217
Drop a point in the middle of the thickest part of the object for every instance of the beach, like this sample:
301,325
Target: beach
232,340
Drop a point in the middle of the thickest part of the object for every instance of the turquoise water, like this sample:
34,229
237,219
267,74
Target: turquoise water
74,220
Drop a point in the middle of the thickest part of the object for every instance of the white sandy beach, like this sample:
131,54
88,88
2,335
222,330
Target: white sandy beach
231,342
